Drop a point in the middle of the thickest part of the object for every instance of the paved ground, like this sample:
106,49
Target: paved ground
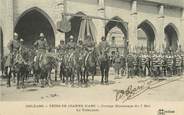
146,89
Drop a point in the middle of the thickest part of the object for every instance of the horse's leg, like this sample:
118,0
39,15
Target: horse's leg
49,78
9,77
106,74
56,71
18,80
61,73
23,76
102,73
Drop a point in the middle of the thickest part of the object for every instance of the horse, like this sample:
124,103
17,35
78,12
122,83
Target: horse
21,67
43,67
90,64
104,62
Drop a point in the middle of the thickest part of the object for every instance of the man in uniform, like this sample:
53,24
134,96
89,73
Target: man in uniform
71,45
41,45
104,46
88,43
103,50
13,47
61,47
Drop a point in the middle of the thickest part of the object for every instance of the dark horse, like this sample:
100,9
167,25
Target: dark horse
104,62
18,66
42,68
90,64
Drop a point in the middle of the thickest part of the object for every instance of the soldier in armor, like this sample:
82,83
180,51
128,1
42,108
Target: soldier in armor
104,46
80,47
71,45
89,43
61,47
13,47
41,45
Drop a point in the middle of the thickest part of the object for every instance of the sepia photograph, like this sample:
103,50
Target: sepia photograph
92,57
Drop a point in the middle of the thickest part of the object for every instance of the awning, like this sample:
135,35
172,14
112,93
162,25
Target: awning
87,28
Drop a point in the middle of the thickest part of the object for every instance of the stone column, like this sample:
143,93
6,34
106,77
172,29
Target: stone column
8,24
133,26
100,24
160,41
181,41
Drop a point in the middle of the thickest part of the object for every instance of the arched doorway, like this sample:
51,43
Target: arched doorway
1,47
116,34
75,27
33,22
171,37
146,36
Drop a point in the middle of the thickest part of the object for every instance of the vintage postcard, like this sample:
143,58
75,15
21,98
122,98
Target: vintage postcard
122,57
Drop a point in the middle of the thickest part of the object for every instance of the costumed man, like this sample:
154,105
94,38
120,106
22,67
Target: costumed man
104,46
117,63
61,47
103,49
19,57
80,47
41,46
13,47
71,45
89,43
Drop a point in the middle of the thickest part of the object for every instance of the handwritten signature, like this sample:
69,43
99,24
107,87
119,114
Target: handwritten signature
134,91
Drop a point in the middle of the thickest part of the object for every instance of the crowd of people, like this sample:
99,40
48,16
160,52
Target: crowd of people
144,63
152,63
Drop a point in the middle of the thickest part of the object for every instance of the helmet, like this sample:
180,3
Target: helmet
21,40
42,35
15,36
71,37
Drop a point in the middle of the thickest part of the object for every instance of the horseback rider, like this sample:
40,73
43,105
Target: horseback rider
71,45
80,46
13,47
89,43
61,47
104,46
41,45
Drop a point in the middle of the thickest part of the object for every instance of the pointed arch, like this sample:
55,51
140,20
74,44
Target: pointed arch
31,23
40,11
147,32
171,36
120,24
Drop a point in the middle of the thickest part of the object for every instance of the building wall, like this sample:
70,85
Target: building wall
123,9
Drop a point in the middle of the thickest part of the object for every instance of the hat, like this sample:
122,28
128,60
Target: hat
15,34
42,35
71,37
21,40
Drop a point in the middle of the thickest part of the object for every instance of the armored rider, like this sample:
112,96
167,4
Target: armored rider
41,45
89,43
71,45
13,47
